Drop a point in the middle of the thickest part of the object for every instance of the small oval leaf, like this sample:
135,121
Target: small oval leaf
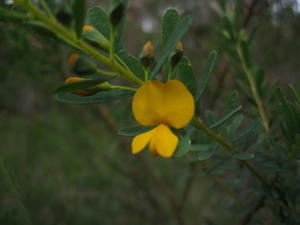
100,21
184,146
102,96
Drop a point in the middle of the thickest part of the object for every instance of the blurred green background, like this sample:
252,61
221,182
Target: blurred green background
65,164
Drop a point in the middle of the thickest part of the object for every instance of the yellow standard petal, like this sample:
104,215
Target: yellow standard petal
140,141
179,104
147,103
163,142
157,103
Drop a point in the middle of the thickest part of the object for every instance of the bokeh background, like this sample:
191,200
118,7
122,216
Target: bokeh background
65,164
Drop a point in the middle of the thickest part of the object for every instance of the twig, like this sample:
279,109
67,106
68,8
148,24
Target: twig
70,38
254,90
248,217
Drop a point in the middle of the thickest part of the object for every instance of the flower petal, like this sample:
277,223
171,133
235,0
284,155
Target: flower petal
140,141
152,147
158,103
179,104
147,103
164,141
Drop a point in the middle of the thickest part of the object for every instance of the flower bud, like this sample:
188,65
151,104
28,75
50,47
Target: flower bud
79,92
80,65
176,57
91,89
93,36
147,58
179,46
148,48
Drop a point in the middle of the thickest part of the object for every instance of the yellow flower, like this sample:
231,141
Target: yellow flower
165,105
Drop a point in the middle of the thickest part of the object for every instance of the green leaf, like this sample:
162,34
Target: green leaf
183,146
200,147
206,74
204,151
79,12
175,36
289,116
232,101
243,155
102,96
133,64
210,117
100,21
254,124
206,154
133,130
232,128
85,84
170,20
95,36
220,167
225,118
186,74
51,5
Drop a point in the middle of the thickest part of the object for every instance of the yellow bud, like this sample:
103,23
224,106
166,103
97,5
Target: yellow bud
73,80
78,92
179,46
72,59
148,48
87,27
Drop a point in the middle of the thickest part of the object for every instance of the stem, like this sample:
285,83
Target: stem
254,91
221,140
104,72
71,39
229,147
112,41
122,88
146,72
121,61
16,15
